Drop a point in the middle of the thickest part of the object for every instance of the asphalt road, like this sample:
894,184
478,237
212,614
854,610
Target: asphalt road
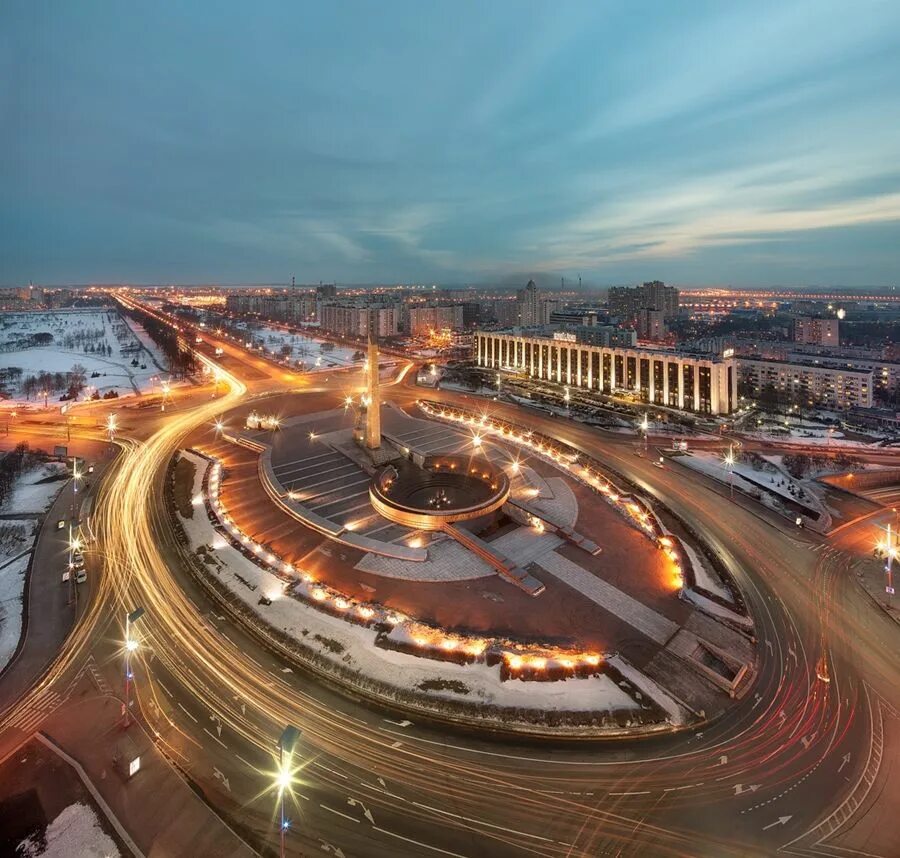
766,778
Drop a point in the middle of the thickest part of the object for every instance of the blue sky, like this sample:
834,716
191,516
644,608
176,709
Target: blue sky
746,143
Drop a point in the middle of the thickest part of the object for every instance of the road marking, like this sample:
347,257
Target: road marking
403,723
249,765
332,810
355,802
844,761
642,792
212,736
480,822
220,777
418,842
674,789
782,820
163,687
740,789
187,713
339,774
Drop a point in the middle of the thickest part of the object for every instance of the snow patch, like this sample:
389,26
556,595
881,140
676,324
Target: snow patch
75,832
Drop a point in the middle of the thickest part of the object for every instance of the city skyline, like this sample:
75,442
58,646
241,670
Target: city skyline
750,145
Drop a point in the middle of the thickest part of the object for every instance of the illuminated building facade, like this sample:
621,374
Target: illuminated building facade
705,384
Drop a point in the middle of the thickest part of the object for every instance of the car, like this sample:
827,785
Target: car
80,576
60,524
218,351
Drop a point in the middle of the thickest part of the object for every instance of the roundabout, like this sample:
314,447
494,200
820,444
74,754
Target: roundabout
459,565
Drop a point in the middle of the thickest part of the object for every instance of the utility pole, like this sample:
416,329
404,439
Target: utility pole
286,745
891,550
130,646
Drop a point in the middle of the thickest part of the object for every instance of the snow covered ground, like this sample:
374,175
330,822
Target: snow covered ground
750,480
792,431
12,587
314,353
354,646
35,490
75,833
29,496
116,355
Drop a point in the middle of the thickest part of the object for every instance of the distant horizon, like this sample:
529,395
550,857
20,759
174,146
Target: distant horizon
569,287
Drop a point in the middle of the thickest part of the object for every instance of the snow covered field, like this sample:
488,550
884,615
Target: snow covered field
36,489
42,350
312,352
12,588
31,495
75,833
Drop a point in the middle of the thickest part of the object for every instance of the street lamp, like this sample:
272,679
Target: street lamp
111,427
645,429
285,777
74,547
131,646
891,552
729,463
219,426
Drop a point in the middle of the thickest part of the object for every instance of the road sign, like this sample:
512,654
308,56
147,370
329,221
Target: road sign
889,591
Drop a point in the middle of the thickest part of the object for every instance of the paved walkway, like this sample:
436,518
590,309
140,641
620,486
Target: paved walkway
647,621
158,810
447,561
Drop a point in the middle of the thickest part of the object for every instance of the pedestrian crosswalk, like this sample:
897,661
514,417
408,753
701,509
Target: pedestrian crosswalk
90,669
30,717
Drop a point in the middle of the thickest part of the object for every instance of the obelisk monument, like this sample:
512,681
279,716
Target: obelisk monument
373,396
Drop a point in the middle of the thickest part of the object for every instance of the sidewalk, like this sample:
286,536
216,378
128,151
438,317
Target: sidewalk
159,811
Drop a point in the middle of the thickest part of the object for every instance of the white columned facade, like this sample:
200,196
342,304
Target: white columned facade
508,351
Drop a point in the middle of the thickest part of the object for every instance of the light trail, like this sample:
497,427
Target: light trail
427,777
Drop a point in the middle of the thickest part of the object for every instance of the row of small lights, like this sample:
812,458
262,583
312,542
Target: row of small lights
424,637
568,462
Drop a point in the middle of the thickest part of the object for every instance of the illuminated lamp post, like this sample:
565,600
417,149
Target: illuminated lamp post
891,553
729,463
131,646
286,744
645,429
111,427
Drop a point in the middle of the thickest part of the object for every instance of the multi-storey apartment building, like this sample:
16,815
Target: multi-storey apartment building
528,306
812,330
706,384
434,317
351,319
807,384
627,301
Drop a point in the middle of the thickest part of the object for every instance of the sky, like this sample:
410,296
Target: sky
745,143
